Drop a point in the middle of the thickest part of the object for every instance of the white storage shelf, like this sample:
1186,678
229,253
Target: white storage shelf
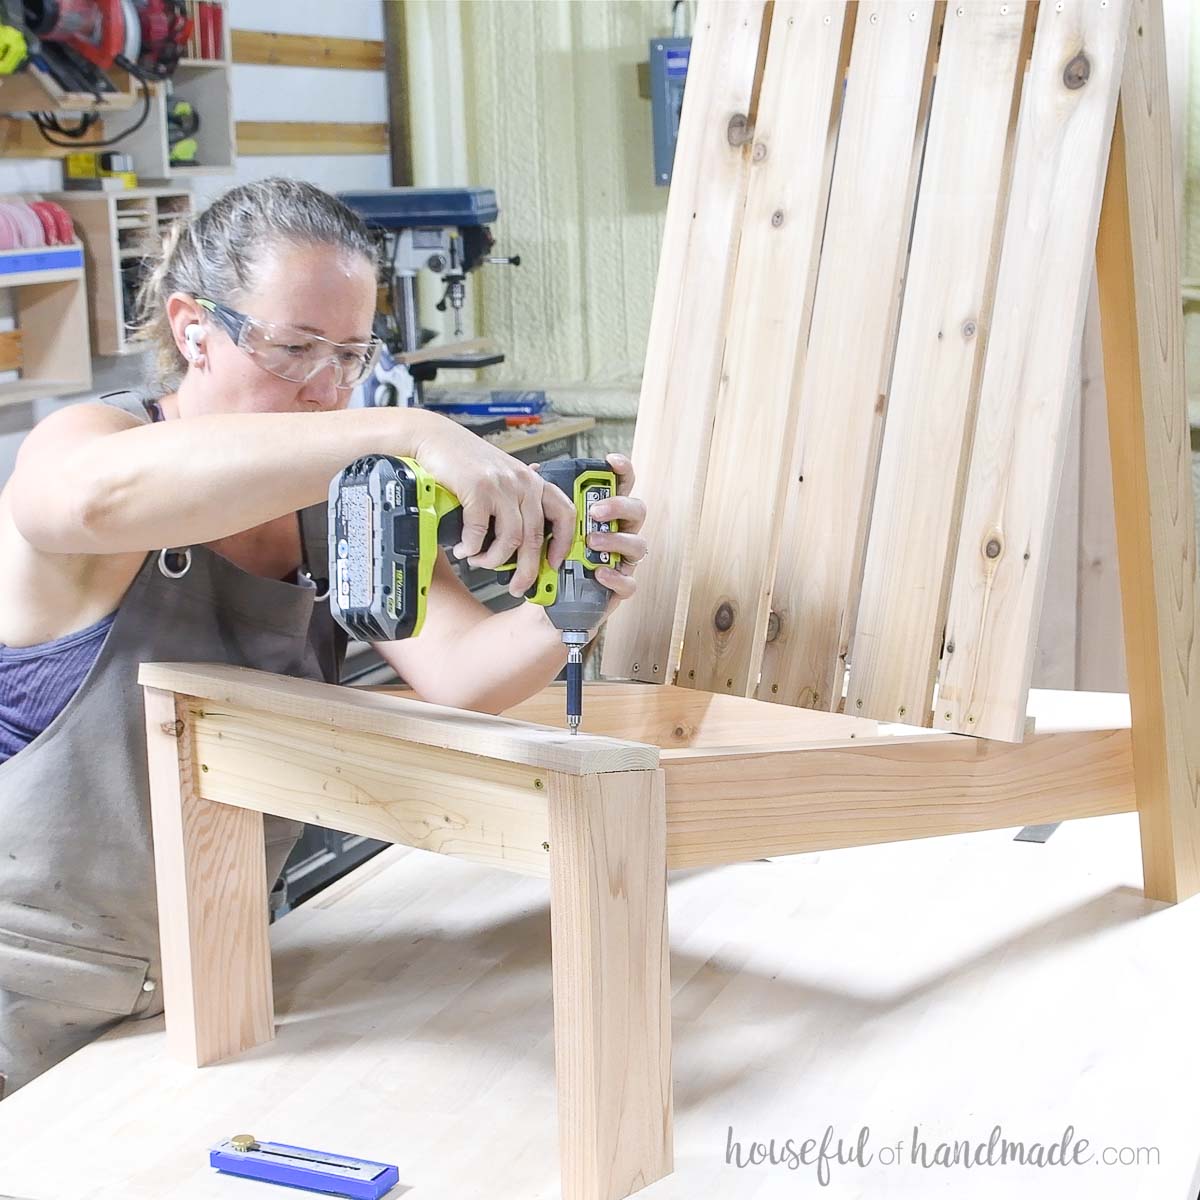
50,307
119,230
205,84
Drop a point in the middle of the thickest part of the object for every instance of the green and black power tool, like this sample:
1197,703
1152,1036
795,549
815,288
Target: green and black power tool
389,520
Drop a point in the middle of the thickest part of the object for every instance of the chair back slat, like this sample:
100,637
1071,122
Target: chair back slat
770,308
831,478
1030,370
858,390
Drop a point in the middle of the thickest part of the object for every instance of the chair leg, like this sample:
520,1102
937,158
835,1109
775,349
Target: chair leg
212,902
612,990
1137,262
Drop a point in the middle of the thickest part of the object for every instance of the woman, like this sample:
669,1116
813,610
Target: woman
190,527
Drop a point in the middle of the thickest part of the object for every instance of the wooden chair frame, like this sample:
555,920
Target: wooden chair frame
673,777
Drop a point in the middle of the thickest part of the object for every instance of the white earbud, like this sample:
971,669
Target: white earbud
194,335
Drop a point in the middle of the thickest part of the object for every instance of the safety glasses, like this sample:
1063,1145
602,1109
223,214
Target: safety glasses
294,354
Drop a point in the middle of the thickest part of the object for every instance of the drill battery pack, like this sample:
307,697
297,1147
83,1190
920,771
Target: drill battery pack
384,515
388,519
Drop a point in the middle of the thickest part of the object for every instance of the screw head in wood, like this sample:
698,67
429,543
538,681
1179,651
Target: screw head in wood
691,674
537,783
759,152
992,549
729,682
1077,72
637,666
774,689
723,617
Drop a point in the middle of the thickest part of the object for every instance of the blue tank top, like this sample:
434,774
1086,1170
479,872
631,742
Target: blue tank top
36,682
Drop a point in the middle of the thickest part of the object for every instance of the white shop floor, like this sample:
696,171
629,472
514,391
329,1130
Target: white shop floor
952,984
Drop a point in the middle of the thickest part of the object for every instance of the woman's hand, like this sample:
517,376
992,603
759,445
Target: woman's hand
495,488
630,514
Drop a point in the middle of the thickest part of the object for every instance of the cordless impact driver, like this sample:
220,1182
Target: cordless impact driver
389,520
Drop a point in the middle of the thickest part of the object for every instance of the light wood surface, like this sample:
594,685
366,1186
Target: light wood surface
407,720
890,986
828,781
512,441
445,349
484,809
1031,371
305,50
10,350
931,400
31,90
1057,632
831,475
763,367
686,338
1100,650
734,805
19,138
311,137
105,222
53,320
612,982
212,902
1142,328
676,718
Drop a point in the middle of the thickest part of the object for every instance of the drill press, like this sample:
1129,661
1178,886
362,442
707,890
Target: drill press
445,231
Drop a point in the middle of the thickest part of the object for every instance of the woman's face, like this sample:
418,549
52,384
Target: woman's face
318,288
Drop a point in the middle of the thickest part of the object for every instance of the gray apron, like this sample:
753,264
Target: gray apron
78,915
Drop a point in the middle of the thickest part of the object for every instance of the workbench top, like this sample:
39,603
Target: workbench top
382,1052
951,983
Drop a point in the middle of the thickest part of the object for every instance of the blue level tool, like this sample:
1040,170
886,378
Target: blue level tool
294,1166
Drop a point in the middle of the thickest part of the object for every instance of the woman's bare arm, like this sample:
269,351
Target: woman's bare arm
86,482
469,657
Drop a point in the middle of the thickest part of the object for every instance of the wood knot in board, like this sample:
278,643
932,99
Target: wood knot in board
992,547
723,617
773,623
1077,72
739,130
759,152
777,218
172,728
